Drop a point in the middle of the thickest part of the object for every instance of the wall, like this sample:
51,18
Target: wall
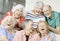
6,5
54,3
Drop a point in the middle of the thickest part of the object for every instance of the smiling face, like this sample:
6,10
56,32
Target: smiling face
42,27
8,22
18,13
38,9
47,10
29,27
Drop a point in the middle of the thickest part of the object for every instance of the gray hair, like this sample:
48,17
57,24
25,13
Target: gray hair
26,22
19,6
40,3
48,6
8,18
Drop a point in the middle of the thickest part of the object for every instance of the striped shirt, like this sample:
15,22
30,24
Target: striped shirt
35,18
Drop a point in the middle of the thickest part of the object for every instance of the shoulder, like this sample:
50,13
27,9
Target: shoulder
29,13
55,13
52,34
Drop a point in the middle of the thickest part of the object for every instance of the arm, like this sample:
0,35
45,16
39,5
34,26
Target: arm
17,20
57,20
55,30
3,38
51,37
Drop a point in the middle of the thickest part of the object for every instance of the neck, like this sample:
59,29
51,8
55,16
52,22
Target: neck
26,32
44,34
49,15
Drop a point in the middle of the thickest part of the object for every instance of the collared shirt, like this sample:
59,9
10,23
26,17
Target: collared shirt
54,20
4,32
34,17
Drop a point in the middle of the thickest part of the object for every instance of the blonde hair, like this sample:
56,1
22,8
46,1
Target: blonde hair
42,21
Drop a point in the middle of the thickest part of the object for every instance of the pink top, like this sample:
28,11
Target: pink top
20,36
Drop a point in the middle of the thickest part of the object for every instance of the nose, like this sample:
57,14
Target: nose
42,26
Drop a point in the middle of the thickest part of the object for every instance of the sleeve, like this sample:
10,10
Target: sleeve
57,17
2,32
3,35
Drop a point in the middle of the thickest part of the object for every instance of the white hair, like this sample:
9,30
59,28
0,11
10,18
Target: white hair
19,6
40,3
8,18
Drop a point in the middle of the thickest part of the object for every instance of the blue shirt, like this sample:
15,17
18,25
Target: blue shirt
4,32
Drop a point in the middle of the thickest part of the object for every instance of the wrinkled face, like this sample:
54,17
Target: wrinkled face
18,13
8,23
42,28
47,11
38,9
29,27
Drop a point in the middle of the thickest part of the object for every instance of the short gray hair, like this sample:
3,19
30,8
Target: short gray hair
48,5
26,22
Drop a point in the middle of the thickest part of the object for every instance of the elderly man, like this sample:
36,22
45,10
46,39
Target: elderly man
36,14
53,19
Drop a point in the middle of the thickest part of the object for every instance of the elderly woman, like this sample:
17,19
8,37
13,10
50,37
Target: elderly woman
44,33
17,13
6,29
36,14
26,33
